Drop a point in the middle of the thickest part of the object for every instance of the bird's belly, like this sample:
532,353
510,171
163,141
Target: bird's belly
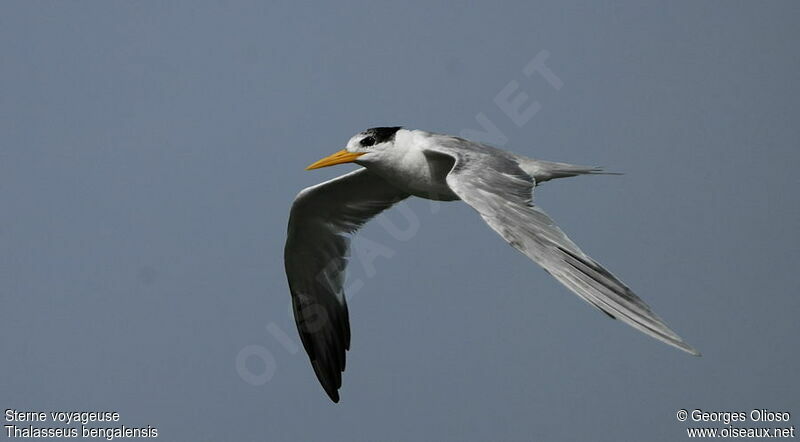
422,182
432,191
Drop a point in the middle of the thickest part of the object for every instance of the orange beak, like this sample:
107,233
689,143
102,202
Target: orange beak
343,156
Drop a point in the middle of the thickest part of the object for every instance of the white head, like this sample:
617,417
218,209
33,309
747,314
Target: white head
362,147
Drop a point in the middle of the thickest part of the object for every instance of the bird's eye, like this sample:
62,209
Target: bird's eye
368,141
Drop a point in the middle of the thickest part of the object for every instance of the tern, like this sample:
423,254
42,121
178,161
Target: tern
398,163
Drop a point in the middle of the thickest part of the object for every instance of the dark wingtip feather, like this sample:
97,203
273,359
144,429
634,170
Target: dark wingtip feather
334,395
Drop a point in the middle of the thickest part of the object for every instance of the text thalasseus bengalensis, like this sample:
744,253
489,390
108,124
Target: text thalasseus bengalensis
398,163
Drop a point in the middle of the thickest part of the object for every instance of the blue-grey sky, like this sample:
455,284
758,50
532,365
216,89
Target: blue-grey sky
150,151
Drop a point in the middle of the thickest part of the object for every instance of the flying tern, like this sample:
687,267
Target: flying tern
398,163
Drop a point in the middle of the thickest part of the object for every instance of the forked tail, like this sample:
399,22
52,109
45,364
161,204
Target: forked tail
542,171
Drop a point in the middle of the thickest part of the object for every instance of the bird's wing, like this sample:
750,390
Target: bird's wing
501,192
315,257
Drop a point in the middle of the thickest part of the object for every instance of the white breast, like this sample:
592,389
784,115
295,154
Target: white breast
407,167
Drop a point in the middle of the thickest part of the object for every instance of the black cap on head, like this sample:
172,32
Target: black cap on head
382,134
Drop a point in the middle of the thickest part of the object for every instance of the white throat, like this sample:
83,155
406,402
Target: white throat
406,166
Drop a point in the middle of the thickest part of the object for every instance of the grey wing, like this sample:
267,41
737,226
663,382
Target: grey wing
315,257
501,192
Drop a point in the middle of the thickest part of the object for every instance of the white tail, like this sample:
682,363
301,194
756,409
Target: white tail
542,171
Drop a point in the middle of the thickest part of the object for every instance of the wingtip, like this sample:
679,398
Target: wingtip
334,395
688,349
